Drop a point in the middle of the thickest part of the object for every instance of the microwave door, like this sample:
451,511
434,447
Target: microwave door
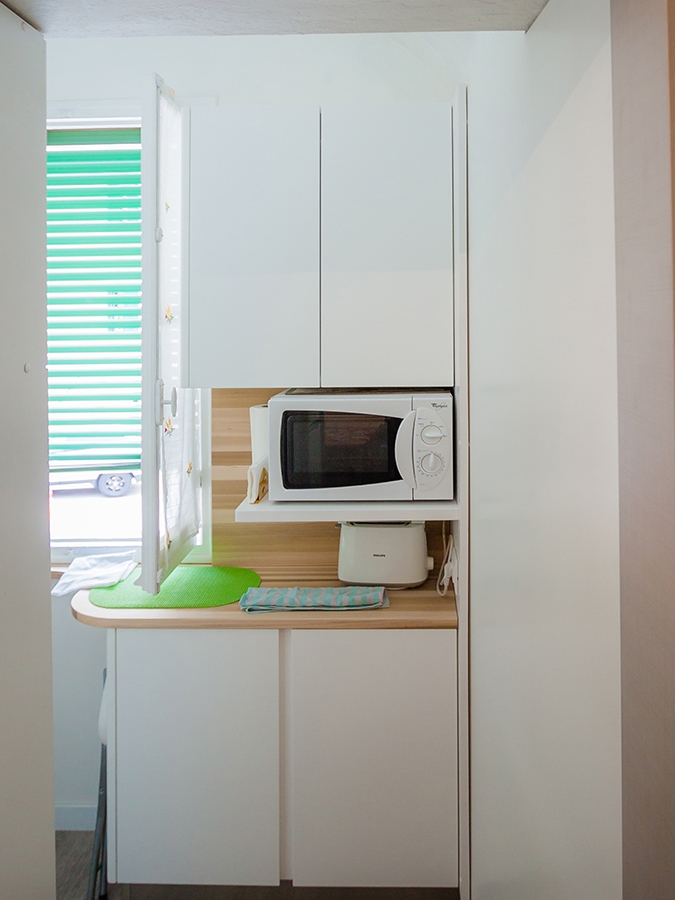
335,454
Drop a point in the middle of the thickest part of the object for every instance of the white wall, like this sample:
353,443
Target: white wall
545,700
26,779
250,69
79,657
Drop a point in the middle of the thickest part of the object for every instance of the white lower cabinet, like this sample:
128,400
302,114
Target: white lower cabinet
374,758
368,775
197,756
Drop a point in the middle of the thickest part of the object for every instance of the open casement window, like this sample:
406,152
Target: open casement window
172,463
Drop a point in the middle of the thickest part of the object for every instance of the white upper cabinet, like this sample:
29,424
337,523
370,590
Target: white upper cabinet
254,247
386,245
320,249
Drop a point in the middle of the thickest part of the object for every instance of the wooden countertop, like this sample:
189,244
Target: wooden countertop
415,608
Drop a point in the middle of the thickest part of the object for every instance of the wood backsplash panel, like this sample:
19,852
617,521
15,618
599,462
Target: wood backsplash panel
272,549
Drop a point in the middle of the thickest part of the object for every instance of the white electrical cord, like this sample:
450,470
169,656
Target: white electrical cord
444,572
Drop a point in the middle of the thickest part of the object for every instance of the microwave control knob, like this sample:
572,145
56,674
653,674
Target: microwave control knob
431,434
432,463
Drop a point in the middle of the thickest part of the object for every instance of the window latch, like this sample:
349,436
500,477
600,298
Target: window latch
160,402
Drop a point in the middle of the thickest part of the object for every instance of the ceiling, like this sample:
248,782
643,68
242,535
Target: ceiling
146,18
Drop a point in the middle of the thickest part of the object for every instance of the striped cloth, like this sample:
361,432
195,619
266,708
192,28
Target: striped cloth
257,600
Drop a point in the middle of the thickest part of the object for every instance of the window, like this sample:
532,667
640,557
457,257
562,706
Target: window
94,331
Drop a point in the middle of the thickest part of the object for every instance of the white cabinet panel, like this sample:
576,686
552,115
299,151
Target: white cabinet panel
385,317
374,758
254,246
386,245
197,753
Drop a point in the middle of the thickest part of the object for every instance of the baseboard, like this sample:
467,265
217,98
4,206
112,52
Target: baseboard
76,817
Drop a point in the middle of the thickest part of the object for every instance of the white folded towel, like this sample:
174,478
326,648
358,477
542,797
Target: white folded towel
95,571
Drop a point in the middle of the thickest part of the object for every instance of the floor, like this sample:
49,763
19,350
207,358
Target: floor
73,852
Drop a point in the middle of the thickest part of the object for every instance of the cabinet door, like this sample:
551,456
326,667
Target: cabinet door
254,247
374,758
386,246
197,753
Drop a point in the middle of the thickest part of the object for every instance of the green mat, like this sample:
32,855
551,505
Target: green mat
186,587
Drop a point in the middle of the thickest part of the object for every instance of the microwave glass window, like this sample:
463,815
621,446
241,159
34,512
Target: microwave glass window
336,449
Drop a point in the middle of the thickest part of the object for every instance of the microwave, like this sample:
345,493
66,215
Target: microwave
357,445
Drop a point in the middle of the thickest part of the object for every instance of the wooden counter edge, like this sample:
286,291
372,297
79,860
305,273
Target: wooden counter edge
416,608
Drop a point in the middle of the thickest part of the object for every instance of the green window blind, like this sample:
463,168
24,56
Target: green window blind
94,298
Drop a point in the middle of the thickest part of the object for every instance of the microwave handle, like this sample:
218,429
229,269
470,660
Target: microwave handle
403,449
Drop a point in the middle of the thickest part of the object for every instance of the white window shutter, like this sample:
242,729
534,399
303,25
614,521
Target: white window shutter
172,495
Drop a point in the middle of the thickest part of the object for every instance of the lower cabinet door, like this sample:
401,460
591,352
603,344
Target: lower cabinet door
197,756
374,758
